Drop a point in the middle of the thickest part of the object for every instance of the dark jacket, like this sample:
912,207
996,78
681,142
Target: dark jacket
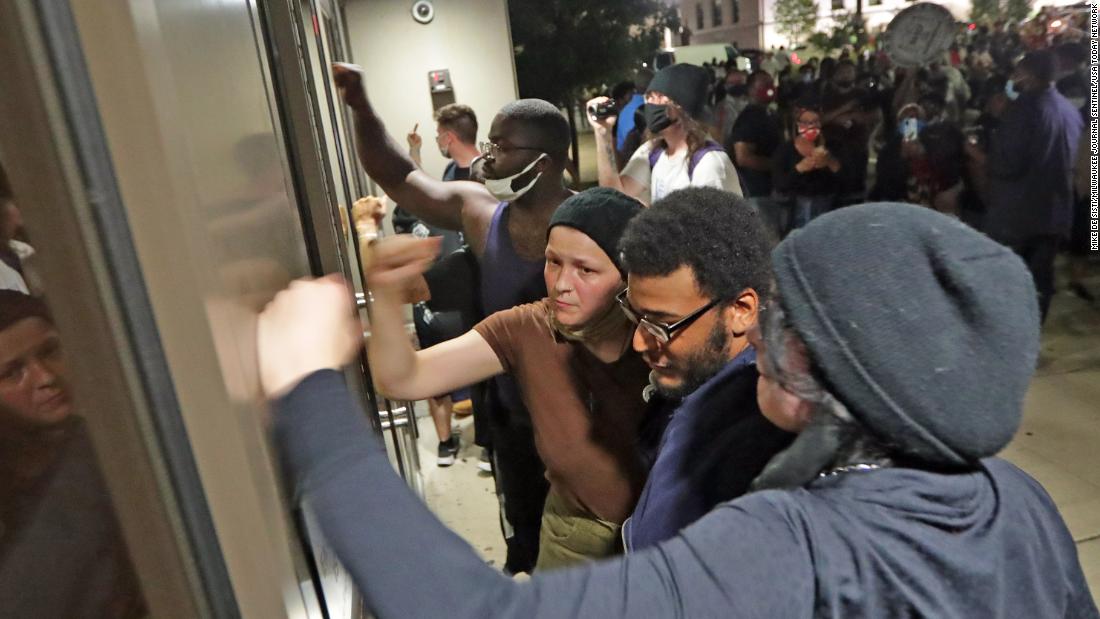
716,443
1030,168
894,542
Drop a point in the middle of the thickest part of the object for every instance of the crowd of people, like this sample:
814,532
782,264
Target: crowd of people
764,369
991,132
684,419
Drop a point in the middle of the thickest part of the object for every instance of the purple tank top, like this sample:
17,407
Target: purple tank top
507,281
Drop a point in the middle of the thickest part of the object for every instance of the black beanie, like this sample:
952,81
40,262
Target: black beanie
602,214
927,330
16,306
686,84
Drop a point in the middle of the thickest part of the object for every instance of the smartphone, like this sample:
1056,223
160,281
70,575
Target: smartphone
909,129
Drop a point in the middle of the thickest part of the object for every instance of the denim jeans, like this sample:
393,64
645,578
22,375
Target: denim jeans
808,207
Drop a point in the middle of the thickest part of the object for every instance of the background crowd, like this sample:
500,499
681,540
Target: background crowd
990,132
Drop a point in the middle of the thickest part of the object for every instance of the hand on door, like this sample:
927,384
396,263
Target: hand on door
394,261
367,214
310,326
349,81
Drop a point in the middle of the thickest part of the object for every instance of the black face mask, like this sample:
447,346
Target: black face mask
738,90
844,86
656,118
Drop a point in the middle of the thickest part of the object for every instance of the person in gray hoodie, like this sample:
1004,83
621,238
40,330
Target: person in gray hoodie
899,345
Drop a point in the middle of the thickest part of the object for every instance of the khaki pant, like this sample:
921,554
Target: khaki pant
571,535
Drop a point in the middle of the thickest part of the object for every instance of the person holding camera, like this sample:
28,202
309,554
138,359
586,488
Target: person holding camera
679,152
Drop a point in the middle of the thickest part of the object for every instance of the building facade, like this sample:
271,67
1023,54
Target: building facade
750,24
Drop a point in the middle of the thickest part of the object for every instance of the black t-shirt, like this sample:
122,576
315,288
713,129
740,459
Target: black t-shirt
760,128
791,182
847,138
405,222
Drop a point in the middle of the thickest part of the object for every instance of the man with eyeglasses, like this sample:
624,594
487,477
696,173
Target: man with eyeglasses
697,265
504,222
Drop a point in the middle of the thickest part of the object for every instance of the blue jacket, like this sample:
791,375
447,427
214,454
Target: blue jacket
626,119
716,443
1030,167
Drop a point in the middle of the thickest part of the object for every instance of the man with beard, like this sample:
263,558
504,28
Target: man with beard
694,299
505,224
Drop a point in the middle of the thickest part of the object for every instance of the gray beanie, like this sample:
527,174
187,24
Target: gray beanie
927,330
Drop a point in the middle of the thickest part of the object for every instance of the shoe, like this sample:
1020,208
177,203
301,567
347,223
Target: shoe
447,451
483,461
465,408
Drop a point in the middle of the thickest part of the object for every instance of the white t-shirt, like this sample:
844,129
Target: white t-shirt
671,173
10,279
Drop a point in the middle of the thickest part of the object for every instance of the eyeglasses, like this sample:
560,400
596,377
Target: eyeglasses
660,331
493,150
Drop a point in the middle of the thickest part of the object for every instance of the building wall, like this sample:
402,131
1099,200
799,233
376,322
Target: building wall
744,32
472,39
756,27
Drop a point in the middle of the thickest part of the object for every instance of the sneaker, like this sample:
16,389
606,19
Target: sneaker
447,451
483,462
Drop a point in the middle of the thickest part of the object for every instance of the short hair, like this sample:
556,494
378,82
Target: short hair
642,79
844,63
995,85
622,89
809,102
1040,63
715,233
460,119
756,76
1072,53
545,122
16,306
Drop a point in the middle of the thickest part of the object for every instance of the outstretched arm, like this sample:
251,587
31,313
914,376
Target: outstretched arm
446,205
337,465
401,371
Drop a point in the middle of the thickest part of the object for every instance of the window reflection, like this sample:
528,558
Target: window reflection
61,549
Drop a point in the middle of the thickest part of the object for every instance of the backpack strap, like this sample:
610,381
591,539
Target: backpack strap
709,147
696,157
654,155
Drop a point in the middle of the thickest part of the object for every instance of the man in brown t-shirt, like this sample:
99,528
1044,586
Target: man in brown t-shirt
570,354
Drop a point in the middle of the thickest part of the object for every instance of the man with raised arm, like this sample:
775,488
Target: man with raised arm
505,223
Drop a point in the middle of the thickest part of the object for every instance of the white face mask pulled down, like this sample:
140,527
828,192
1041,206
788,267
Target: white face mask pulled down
501,188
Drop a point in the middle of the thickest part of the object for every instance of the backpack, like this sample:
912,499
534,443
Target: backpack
696,157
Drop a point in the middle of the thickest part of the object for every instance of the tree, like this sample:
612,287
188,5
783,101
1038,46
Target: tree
981,10
1017,10
566,47
795,19
848,30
